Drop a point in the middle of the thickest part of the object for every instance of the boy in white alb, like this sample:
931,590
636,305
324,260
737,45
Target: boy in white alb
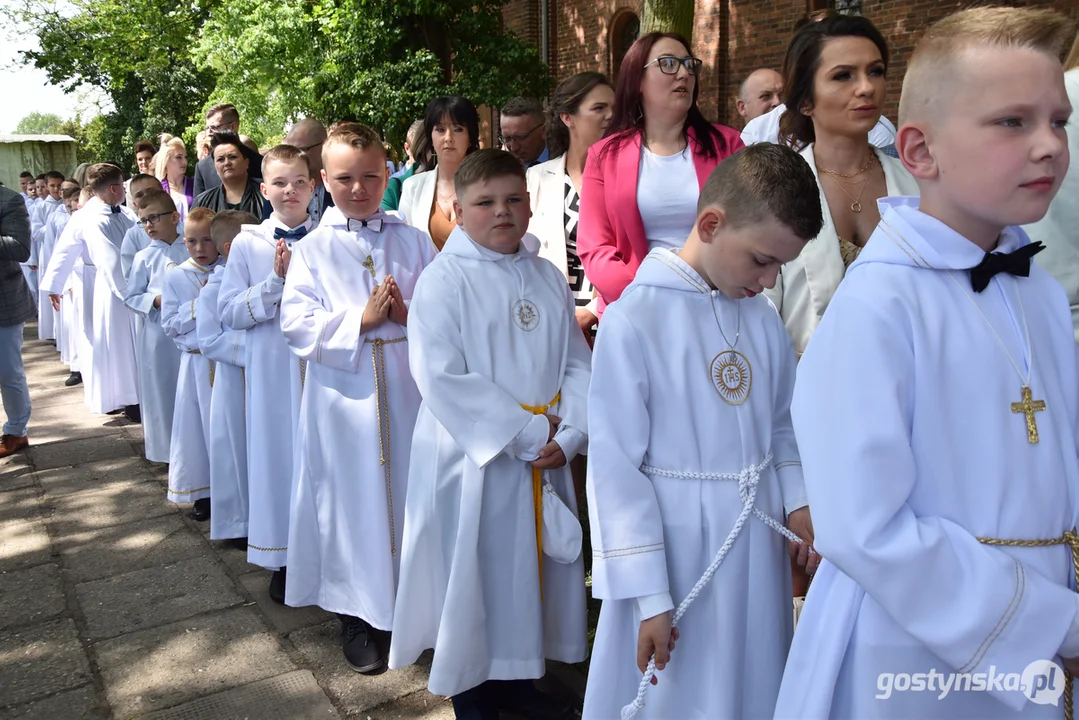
937,409
693,463
137,238
189,455
77,299
228,423
97,231
39,257
159,356
503,369
344,312
250,295
47,314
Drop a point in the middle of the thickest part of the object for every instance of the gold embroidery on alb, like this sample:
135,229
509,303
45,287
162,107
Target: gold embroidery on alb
526,315
732,376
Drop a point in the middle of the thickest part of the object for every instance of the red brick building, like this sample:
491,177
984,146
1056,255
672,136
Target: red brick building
733,37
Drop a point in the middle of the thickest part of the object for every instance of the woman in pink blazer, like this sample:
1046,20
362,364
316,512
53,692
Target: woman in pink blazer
641,182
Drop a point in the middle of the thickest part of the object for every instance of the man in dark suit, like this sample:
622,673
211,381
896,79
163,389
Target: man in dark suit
16,307
218,119
309,134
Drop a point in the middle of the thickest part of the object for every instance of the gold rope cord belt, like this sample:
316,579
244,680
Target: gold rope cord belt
537,490
382,406
1071,539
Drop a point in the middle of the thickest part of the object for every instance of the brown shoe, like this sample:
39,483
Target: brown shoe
11,444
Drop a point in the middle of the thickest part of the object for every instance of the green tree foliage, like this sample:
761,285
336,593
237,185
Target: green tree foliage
40,124
162,63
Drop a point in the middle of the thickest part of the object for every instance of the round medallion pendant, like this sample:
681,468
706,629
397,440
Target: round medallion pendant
732,376
525,315
856,206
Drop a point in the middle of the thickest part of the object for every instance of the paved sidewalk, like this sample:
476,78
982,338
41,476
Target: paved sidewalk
114,604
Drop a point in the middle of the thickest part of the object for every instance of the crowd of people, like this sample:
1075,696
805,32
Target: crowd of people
395,386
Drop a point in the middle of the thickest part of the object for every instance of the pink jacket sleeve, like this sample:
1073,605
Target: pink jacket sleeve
604,263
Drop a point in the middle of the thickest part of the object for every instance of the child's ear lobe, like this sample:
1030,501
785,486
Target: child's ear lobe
912,144
709,222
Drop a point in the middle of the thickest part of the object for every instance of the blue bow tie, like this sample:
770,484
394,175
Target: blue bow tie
115,209
293,234
374,223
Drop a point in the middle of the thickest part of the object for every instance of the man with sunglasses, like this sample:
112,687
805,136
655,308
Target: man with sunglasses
524,130
222,118
308,135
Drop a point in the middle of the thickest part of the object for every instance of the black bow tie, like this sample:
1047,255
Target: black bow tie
115,209
1015,263
373,223
293,234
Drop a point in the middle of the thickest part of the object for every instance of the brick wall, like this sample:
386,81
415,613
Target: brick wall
733,37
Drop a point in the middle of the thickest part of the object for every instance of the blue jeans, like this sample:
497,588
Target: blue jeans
13,388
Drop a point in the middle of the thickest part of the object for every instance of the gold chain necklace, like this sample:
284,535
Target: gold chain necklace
855,202
729,371
868,164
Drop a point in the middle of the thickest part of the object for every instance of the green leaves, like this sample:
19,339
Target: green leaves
40,124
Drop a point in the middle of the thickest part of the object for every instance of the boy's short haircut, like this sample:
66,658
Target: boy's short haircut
26,174
231,114
486,164
415,130
762,182
353,134
521,106
932,70
70,192
226,225
55,175
157,200
145,146
143,177
286,153
101,175
40,177
200,215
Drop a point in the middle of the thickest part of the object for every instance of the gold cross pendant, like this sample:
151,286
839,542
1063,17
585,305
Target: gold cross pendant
1028,406
369,263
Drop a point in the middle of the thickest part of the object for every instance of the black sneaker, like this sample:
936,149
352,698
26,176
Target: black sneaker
522,700
133,413
361,651
239,543
277,586
73,379
200,511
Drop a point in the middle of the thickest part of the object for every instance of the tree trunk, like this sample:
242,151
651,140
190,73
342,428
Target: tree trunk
668,16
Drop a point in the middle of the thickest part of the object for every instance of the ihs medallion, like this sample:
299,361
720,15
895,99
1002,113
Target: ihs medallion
732,376
526,315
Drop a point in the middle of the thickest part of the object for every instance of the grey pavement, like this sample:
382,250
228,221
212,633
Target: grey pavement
115,604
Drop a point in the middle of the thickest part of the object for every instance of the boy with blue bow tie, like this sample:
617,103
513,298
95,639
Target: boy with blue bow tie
250,296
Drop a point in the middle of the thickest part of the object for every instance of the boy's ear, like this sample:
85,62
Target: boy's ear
262,189
709,222
457,212
912,146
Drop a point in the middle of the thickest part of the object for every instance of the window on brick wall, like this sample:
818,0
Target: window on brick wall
843,7
625,29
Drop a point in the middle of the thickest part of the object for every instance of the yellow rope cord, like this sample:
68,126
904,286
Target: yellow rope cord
382,407
537,490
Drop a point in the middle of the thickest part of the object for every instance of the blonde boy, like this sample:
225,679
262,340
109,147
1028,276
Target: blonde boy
250,295
344,313
692,451
937,408
189,456
228,433
503,370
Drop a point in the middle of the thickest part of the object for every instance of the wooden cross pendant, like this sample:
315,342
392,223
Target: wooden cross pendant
369,263
1028,406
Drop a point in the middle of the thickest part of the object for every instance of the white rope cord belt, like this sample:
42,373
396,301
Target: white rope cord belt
748,480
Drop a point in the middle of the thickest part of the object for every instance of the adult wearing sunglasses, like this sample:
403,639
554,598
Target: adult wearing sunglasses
524,130
642,181
223,118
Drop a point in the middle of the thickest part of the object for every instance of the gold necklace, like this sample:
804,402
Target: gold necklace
868,164
729,371
855,204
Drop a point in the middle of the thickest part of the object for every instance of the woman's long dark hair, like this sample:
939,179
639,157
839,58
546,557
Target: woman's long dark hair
628,117
802,62
458,109
567,98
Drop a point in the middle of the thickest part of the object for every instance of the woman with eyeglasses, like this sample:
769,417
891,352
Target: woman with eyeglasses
452,128
237,190
835,87
642,181
170,167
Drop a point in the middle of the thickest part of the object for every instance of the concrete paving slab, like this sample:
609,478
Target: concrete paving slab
164,666
114,504
15,472
41,660
417,706
75,452
293,696
20,505
122,548
56,423
31,596
80,704
96,475
53,393
23,543
321,648
285,619
235,560
154,596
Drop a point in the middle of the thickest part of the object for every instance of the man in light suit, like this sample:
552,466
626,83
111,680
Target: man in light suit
16,307
220,118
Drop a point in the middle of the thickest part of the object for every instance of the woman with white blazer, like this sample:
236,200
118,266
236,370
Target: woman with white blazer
834,82
580,109
452,128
